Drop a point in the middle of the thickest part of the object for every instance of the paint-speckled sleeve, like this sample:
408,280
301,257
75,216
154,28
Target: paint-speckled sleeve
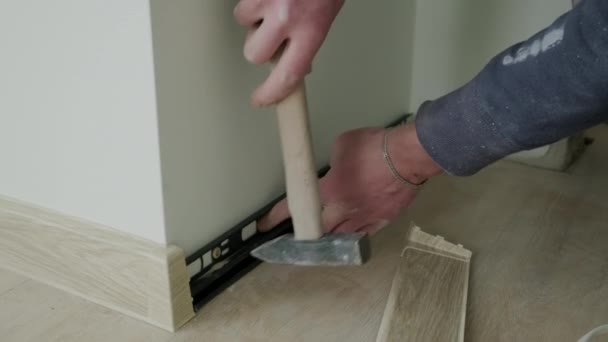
532,94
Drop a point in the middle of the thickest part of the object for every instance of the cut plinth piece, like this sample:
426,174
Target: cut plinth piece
427,301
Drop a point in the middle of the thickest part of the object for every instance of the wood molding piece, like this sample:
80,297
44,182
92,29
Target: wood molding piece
427,300
434,243
137,277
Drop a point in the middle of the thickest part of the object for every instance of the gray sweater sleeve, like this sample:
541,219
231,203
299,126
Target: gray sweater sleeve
532,94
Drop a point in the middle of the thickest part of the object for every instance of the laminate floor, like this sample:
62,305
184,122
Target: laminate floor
539,271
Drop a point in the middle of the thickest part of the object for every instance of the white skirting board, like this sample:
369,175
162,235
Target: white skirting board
557,156
137,277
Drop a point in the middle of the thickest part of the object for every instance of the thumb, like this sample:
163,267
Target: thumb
276,215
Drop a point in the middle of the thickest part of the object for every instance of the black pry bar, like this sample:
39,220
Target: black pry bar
229,253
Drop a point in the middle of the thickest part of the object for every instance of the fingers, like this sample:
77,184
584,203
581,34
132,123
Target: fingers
332,216
335,220
373,228
278,214
370,227
293,66
249,12
263,42
348,226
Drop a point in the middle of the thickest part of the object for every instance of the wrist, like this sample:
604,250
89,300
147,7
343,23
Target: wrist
409,157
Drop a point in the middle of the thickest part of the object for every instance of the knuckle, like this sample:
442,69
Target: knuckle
284,12
281,23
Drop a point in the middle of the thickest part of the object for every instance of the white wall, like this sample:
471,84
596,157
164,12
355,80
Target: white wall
78,128
221,158
78,123
455,39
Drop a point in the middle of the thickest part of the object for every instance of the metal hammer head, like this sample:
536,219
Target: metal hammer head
330,250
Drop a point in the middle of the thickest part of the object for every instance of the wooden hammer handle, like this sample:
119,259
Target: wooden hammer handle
298,159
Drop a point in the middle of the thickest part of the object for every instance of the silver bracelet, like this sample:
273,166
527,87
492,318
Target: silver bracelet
391,167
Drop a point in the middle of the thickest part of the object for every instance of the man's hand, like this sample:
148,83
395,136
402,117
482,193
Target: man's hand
300,25
360,193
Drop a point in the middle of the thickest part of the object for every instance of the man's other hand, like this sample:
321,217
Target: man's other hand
360,193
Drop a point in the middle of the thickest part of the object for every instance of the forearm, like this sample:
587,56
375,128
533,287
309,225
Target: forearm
532,94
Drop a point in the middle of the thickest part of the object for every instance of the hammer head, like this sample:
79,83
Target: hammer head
330,250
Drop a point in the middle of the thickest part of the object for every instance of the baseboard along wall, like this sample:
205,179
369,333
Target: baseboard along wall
140,278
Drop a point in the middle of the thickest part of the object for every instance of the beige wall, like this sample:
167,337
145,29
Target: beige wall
454,39
221,158
78,127
82,86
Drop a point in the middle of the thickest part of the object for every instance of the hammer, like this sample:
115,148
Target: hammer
308,246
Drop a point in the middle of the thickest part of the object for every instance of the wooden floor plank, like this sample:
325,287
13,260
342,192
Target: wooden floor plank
429,298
